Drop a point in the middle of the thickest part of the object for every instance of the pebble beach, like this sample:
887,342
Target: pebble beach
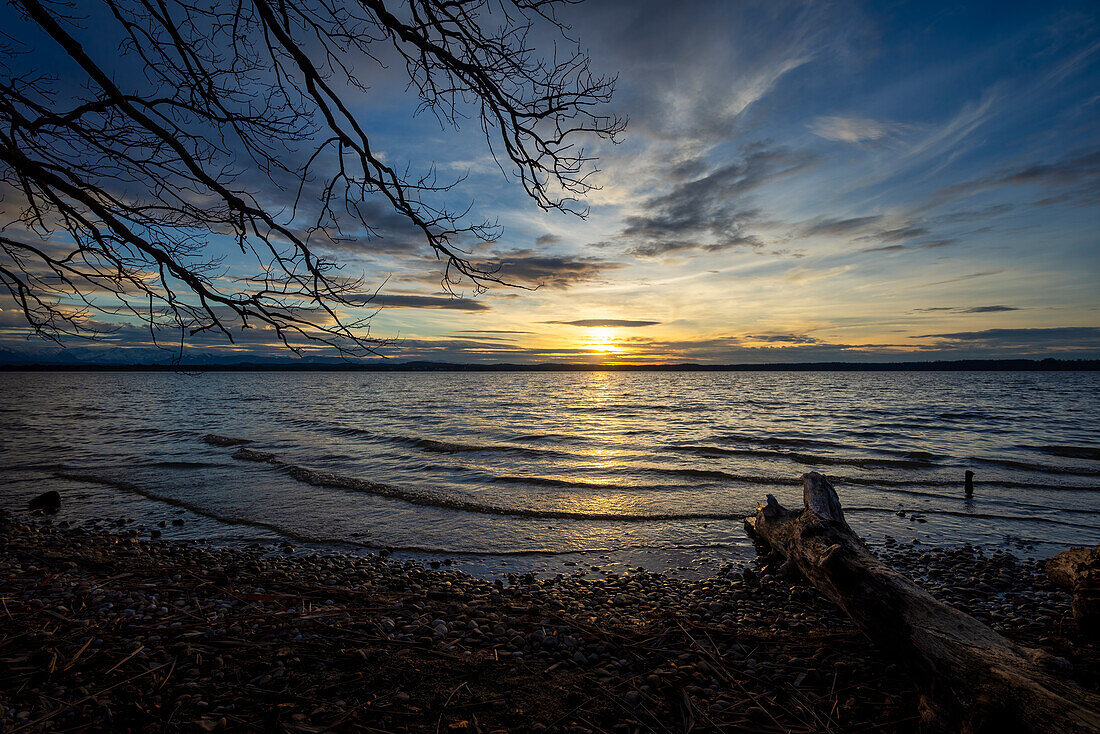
121,629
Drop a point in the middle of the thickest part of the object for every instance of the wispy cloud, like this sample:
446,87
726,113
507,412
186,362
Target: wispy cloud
838,227
590,323
711,213
1079,172
856,129
716,61
968,276
971,309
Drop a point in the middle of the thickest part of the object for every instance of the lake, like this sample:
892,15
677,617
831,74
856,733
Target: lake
559,471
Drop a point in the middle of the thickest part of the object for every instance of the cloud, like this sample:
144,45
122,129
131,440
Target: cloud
693,71
969,118
784,338
928,245
711,212
838,227
588,323
390,233
1067,337
547,239
492,331
969,215
972,309
412,301
802,275
968,276
531,268
854,129
1078,172
898,234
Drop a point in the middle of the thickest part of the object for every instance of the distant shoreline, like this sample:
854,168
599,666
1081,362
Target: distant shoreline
968,365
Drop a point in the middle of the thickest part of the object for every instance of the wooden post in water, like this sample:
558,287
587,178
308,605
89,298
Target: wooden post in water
969,483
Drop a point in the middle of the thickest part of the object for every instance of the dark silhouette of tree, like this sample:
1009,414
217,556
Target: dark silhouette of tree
116,174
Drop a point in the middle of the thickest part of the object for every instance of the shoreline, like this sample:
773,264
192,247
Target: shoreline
106,630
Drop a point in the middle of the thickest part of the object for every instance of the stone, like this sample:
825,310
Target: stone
47,502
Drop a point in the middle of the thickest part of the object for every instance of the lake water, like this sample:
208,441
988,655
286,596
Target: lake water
559,471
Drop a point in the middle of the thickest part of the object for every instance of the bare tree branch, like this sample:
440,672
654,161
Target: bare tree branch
117,180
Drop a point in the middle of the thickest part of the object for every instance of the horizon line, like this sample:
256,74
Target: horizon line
957,365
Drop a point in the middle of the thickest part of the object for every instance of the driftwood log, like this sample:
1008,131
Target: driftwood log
972,679
1078,571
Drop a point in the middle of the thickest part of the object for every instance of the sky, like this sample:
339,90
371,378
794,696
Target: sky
799,181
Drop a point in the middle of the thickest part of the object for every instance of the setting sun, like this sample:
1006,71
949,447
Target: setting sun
602,340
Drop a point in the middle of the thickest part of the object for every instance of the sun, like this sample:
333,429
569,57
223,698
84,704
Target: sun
602,341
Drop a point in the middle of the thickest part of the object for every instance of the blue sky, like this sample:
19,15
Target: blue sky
798,182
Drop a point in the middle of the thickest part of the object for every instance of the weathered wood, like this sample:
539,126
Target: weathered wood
974,680
1078,571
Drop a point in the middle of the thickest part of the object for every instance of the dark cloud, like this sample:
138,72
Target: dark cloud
626,323
782,348
492,331
547,239
927,245
389,233
898,234
710,213
968,276
411,301
829,226
972,309
482,338
1078,172
1067,337
531,268
784,338
688,169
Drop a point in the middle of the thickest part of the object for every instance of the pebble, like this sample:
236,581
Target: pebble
540,625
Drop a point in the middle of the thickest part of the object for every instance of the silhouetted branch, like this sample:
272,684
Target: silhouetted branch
116,180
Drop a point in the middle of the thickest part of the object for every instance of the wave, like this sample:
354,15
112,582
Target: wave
182,504
451,502
550,482
745,438
979,516
46,465
215,440
916,460
429,498
1013,502
715,474
1070,452
1043,468
452,447
253,455
965,415
300,537
183,464
999,483
581,484
434,445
